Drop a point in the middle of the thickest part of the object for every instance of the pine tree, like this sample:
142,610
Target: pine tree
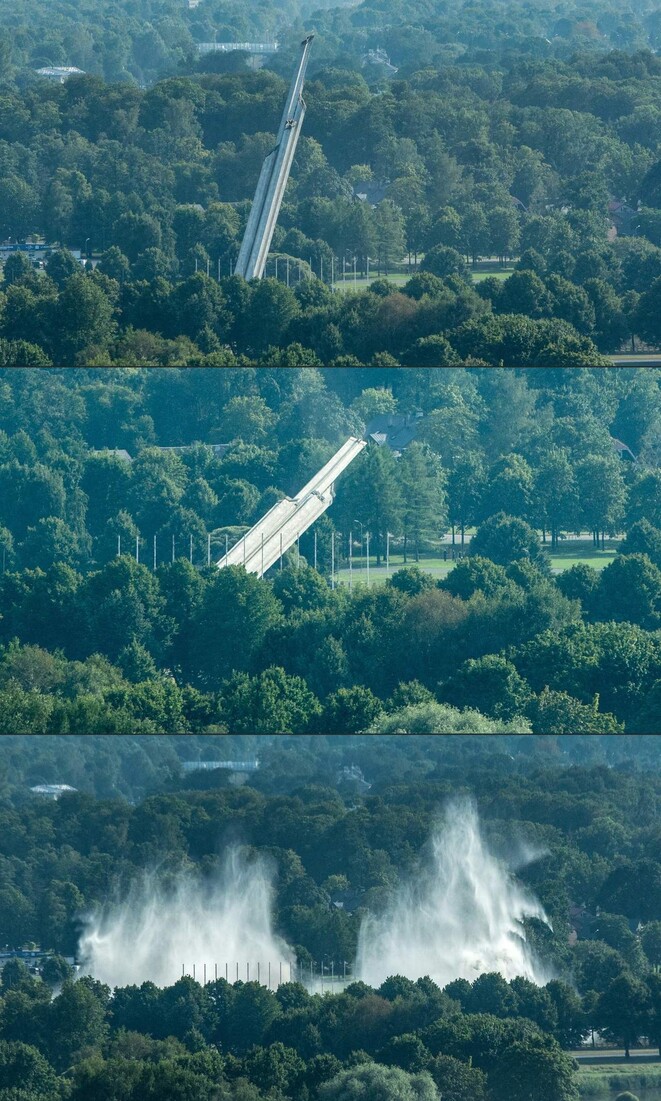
422,480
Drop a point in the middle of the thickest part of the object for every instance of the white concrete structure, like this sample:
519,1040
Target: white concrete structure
273,178
51,791
229,47
60,73
277,531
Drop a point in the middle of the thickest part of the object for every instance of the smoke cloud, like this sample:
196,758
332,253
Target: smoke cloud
157,929
460,916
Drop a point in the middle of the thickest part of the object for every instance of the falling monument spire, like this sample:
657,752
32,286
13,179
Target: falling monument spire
273,178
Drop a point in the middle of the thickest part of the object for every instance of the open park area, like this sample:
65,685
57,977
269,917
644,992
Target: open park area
572,552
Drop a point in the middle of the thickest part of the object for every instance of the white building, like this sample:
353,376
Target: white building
51,791
60,73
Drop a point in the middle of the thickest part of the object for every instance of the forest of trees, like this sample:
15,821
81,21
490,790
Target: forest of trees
594,826
94,641
494,138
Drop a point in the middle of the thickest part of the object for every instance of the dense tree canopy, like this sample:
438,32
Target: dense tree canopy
119,488
529,137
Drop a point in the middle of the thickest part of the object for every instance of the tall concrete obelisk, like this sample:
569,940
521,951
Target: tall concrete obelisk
273,178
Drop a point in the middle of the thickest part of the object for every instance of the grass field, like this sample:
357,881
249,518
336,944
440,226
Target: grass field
497,273
570,554
596,1083
483,271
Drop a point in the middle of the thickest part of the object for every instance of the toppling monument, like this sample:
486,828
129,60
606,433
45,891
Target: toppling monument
273,179
289,518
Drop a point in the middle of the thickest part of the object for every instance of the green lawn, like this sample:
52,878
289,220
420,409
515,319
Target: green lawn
495,273
579,551
601,1083
483,271
400,278
595,558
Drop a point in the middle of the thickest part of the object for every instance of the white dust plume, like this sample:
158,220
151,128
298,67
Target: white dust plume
158,930
461,915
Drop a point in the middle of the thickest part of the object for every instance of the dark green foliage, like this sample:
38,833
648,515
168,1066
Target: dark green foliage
504,539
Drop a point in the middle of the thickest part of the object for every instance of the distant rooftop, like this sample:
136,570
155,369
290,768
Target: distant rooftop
118,452
379,57
623,450
371,191
218,449
207,766
395,430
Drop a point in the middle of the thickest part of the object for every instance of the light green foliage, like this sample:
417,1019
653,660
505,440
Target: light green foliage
271,701
435,718
379,1083
490,685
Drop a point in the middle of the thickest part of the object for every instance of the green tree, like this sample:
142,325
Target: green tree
509,488
271,307
602,494
28,494
474,232
630,590
380,1084
596,966
645,499
503,231
441,261
390,234
133,233
555,493
560,713
246,418
465,487
84,319
350,710
51,541
505,539
571,1027
524,1071
270,701
493,686
643,538
614,930
244,607
623,1010
115,264
24,1072
60,265
17,270
122,602
371,493
650,939
76,1020
422,482
55,970
19,202
436,718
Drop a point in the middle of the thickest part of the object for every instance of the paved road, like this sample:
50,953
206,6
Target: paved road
610,1055
639,359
